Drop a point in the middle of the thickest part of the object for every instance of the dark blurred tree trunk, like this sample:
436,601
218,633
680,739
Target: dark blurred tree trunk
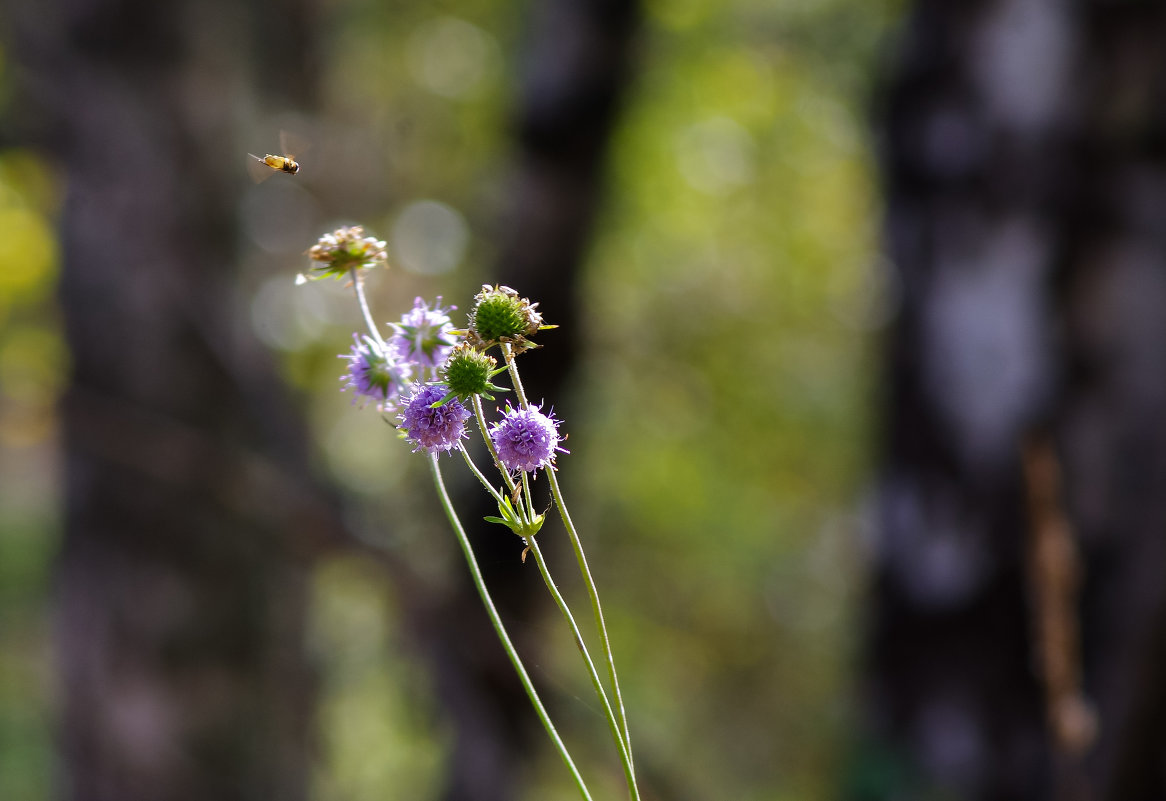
189,510
1025,166
577,68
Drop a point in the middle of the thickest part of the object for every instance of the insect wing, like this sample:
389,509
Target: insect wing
258,169
293,146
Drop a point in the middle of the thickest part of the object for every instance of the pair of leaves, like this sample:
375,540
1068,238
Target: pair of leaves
510,518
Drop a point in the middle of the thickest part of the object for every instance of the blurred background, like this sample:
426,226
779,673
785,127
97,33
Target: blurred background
861,356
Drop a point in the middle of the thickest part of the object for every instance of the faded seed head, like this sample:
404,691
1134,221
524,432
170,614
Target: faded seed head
344,250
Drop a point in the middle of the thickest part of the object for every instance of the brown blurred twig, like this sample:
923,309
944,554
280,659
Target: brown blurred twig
1054,576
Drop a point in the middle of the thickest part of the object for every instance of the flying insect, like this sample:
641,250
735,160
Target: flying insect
288,144
286,163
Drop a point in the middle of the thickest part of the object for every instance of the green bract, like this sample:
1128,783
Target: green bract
514,521
467,372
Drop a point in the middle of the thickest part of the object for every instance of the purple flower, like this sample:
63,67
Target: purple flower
526,439
433,429
423,336
375,372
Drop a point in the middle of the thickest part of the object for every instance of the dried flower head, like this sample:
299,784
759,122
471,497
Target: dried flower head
424,336
467,372
526,439
344,250
375,372
501,315
433,429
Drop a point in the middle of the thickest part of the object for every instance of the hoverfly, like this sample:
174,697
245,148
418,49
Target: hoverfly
286,163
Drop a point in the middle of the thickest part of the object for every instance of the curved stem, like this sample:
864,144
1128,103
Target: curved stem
496,620
497,496
358,284
481,417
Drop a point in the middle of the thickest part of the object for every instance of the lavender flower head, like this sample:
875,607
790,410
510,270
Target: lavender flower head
423,337
433,429
526,439
374,372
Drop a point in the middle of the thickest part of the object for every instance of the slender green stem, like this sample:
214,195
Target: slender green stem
358,284
625,755
584,570
620,738
508,354
474,469
554,590
596,609
481,417
528,494
496,620
596,682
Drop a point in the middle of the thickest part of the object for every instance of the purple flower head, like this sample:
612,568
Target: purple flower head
423,336
429,429
374,372
526,439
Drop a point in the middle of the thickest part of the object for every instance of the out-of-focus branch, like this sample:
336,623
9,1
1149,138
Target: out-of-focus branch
1054,578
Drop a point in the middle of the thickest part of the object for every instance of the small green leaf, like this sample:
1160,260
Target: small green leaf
535,526
448,397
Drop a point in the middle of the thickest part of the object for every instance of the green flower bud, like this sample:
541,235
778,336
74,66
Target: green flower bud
500,315
467,372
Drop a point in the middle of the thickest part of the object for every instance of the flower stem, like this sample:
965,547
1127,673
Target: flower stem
358,285
596,682
624,754
496,620
529,496
562,604
508,354
481,418
497,496
593,592
585,571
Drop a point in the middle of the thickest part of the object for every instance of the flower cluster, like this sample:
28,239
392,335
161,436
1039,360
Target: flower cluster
345,250
432,378
426,372
381,370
